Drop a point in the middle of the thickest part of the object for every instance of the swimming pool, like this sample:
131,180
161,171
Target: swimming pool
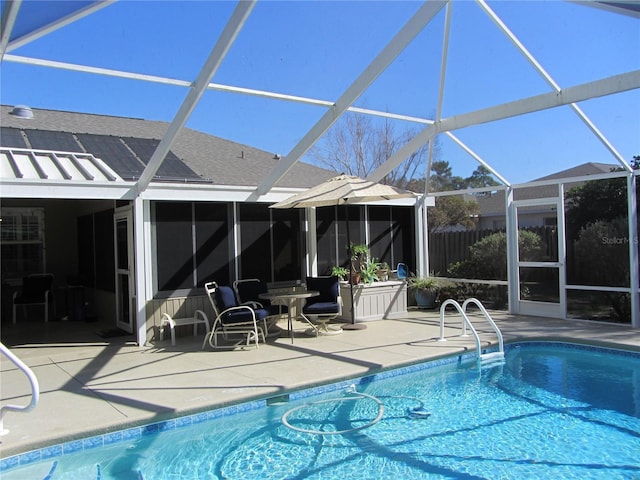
552,411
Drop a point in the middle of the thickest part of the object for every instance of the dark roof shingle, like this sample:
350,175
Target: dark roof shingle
223,161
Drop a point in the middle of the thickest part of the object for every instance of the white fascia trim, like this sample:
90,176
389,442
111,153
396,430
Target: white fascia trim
66,189
233,193
219,193
468,191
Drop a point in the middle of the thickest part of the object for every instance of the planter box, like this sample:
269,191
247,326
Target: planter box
374,301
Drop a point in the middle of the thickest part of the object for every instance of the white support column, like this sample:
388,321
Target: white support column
367,231
562,249
311,260
422,237
634,267
512,252
143,274
236,244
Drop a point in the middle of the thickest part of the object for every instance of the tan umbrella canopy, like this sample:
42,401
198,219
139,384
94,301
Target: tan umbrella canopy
344,190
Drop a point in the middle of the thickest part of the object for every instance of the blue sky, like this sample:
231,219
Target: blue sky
316,49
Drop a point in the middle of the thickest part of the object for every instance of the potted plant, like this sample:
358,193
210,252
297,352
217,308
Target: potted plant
425,290
383,271
369,271
341,272
359,259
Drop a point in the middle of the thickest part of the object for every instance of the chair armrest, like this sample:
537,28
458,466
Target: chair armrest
253,304
202,314
239,307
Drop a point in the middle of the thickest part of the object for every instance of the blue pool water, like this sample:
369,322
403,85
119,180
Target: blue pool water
552,411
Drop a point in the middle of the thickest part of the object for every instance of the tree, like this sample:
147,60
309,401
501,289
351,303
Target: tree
597,229
452,211
481,177
597,200
602,258
358,144
442,179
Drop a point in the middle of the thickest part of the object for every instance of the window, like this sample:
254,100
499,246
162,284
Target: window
270,242
331,233
213,243
287,244
380,234
391,236
23,248
174,245
255,243
194,244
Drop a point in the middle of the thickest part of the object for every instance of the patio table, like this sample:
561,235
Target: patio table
290,298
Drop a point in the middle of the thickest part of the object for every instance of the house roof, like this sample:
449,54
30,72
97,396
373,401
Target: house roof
126,145
494,203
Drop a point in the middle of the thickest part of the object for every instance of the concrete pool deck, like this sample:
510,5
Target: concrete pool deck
90,385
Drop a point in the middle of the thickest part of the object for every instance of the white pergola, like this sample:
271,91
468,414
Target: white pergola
557,96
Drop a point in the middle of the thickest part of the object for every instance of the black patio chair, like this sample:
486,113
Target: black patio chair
232,317
37,289
326,306
249,291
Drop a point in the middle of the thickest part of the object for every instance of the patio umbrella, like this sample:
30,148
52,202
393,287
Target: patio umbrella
344,190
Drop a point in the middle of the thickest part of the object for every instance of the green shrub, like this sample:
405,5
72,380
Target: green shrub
488,257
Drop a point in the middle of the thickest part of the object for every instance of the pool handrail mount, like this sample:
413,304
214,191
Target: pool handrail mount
483,358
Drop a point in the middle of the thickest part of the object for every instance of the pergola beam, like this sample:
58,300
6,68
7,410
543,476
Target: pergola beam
9,16
220,50
379,64
586,91
212,86
240,91
550,81
59,23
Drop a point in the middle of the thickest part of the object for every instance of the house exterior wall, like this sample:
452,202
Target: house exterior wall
176,307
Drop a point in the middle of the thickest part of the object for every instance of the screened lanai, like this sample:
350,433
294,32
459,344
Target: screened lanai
530,91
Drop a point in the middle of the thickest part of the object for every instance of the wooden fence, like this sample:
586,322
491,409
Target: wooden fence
447,248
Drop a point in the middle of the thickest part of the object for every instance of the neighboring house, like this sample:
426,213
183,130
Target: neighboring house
492,214
71,207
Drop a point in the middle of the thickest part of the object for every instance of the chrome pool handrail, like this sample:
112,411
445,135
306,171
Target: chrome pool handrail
35,388
462,309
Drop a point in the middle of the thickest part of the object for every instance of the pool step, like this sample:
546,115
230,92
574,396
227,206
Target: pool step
99,473
492,359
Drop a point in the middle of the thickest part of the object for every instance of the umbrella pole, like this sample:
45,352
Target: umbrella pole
353,307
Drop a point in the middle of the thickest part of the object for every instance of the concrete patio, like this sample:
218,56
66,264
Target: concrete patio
91,385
